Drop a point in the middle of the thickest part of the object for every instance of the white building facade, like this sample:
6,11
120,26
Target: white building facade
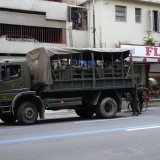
29,24
122,21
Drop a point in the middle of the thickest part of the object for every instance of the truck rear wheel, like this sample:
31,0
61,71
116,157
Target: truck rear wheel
27,113
8,119
84,112
107,108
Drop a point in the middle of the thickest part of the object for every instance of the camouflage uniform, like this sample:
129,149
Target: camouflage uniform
135,103
140,95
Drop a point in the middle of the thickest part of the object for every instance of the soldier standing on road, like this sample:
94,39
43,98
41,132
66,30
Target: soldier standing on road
134,103
140,93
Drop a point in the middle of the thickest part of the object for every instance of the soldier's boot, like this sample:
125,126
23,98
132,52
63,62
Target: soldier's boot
137,112
140,112
133,114
140,108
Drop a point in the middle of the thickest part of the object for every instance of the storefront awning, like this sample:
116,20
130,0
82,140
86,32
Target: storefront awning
141,53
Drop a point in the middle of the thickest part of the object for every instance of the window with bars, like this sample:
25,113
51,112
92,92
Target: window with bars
138,15
39,34
120,13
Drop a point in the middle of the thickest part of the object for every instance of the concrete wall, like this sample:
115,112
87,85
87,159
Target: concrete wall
76,38
24,47
80,38
53,10
29,20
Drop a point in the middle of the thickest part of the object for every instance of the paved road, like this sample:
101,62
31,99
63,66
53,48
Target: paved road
56,138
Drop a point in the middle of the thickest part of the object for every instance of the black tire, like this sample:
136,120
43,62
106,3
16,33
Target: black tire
85,112
145,106
8,119
107,108
27,113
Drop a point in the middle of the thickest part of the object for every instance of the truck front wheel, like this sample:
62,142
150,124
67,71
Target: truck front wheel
8,119
107,108
27,113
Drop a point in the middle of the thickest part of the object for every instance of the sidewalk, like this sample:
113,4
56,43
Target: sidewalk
154,102
151,103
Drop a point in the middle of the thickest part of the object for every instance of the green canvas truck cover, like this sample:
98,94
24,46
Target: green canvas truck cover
39,59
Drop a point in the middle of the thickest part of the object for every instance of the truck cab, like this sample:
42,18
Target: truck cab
9,80
15,81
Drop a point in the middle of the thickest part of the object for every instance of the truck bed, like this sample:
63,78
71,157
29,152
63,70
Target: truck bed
92,78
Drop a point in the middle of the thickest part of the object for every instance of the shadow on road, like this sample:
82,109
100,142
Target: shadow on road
51,120
65,119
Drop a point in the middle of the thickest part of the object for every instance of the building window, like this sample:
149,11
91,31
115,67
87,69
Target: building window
154,21
120,13
138,15
78,17
31,33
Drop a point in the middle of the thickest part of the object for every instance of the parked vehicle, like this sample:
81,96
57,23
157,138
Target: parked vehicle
93,81
19,38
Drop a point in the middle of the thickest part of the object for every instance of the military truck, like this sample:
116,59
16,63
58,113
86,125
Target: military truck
91,81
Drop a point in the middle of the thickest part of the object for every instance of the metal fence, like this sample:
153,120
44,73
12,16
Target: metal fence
39,34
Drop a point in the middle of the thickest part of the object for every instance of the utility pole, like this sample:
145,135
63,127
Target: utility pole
94,29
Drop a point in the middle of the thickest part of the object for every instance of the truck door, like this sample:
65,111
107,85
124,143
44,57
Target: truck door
11,81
